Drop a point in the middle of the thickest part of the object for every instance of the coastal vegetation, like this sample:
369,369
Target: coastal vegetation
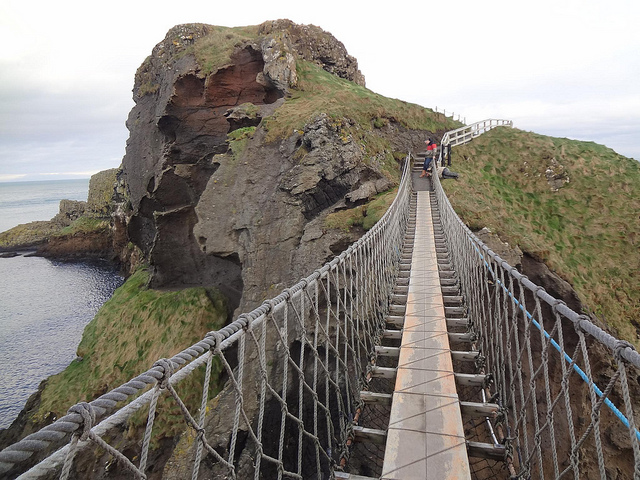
133,329
364,216
571,204
356,112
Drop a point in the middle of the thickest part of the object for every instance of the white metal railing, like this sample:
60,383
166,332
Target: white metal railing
467,133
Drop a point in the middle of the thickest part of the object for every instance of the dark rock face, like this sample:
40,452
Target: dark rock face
206,215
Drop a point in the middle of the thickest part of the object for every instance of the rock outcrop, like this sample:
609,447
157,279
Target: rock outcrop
79,231
243,216
209,196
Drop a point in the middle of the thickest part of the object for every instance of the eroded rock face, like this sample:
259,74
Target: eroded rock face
204,215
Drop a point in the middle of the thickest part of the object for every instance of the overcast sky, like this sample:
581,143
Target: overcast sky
556,67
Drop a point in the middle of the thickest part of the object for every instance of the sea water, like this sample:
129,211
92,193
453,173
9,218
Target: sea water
24,202
44,304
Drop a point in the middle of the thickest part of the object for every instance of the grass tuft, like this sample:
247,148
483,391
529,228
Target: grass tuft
585,227
136,327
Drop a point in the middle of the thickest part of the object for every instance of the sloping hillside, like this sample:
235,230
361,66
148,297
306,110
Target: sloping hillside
573,205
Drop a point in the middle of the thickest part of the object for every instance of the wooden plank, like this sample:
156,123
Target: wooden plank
350,476
457,322
464,356
477,409
469,379
454,311
396,320
452,299
383,372
399,298
486,450
462,337
372,435
392,334
376,398
397,309
388,351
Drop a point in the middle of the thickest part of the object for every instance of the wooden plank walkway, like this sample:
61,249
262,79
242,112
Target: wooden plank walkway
425,439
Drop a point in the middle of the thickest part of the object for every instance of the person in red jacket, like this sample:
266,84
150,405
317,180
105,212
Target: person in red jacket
432,147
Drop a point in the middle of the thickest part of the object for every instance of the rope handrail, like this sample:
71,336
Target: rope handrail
322,333
327,284
536,390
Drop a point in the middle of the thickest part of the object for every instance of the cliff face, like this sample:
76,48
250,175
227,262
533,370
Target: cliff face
213,202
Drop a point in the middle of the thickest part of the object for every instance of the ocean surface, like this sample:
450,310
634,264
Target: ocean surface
24,202
44,304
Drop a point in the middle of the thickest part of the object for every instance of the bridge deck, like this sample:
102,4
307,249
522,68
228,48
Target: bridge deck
425,439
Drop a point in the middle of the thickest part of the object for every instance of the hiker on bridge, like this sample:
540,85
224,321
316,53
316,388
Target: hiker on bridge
432,148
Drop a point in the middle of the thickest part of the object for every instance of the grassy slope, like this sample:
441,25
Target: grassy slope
588,232
132,330
138,326
355,110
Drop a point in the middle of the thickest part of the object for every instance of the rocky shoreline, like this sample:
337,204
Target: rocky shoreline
80,231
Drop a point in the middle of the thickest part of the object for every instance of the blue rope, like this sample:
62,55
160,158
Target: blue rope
576,368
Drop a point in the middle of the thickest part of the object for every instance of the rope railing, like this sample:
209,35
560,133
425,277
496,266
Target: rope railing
567,390
546,362
296,366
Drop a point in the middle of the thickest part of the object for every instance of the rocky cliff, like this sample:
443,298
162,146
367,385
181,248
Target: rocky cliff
222,190
243,141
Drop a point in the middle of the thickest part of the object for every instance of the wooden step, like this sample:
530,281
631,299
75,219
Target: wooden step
454,311
470,379
383,351
384,372
487,451
461,322
463,337
397,309
371,435
392,334
447,274
464,356
351,476
399,298
395,320
452,300
374,398
478,409
449,289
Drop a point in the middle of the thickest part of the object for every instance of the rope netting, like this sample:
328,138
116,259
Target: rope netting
567,390
295,368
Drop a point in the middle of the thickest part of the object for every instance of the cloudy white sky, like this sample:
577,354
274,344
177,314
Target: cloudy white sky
564,68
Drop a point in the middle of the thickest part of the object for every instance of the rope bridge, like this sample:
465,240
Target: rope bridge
298,365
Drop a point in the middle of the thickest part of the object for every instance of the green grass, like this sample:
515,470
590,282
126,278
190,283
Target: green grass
214,50
588,231
238,140
136,327
365,216
355,112
319,91
85,225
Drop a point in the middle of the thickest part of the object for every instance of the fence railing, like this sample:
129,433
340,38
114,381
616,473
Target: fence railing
295,367
567,390
467,133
